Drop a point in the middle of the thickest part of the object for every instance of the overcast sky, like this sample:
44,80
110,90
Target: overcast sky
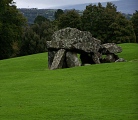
52,3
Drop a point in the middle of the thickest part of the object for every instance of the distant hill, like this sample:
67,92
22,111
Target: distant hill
32,13
124,6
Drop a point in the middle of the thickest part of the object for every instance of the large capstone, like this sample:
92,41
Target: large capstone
74,39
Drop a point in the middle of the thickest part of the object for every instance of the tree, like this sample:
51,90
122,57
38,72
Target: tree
134,20
58,13
121,30
106,24
11,22
93,20
70,19
29,42
35,37
39,19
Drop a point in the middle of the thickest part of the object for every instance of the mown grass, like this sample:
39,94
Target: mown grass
29,91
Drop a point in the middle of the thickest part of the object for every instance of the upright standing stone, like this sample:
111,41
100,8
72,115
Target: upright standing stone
51,55
58,60
72,59
96,58
110,58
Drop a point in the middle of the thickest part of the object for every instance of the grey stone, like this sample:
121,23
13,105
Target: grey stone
67,43
72,59
96,58
74,39
111,57
110,48
51,55
58,60
120,60
86,64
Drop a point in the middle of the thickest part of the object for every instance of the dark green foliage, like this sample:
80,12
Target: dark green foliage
121,30
106,24
11,22
93,20
32,13
69,19
30,42
35,37
39,19
134,20
58,13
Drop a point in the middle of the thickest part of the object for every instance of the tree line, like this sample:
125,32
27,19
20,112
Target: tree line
17,38
32,13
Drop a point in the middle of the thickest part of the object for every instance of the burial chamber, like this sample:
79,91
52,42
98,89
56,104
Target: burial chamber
70,47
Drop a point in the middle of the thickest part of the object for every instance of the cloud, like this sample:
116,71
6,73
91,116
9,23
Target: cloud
52,3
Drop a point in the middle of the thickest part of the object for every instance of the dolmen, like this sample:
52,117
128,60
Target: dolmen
70,47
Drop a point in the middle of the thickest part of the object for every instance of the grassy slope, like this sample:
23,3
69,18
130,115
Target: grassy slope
29,91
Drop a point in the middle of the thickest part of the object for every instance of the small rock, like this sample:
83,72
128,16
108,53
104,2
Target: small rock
121,60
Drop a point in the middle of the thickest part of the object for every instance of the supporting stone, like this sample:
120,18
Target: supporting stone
96,58
72,59
58,60
51,55
111,58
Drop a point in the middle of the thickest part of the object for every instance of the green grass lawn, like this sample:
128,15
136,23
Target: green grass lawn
29,91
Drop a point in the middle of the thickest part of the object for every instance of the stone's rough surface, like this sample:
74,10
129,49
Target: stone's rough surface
58,60
74,39
72,59
110,48
51,55
66,43
96,58
110,58
120,60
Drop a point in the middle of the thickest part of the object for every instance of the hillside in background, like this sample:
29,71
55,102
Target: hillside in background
32,13
124,6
